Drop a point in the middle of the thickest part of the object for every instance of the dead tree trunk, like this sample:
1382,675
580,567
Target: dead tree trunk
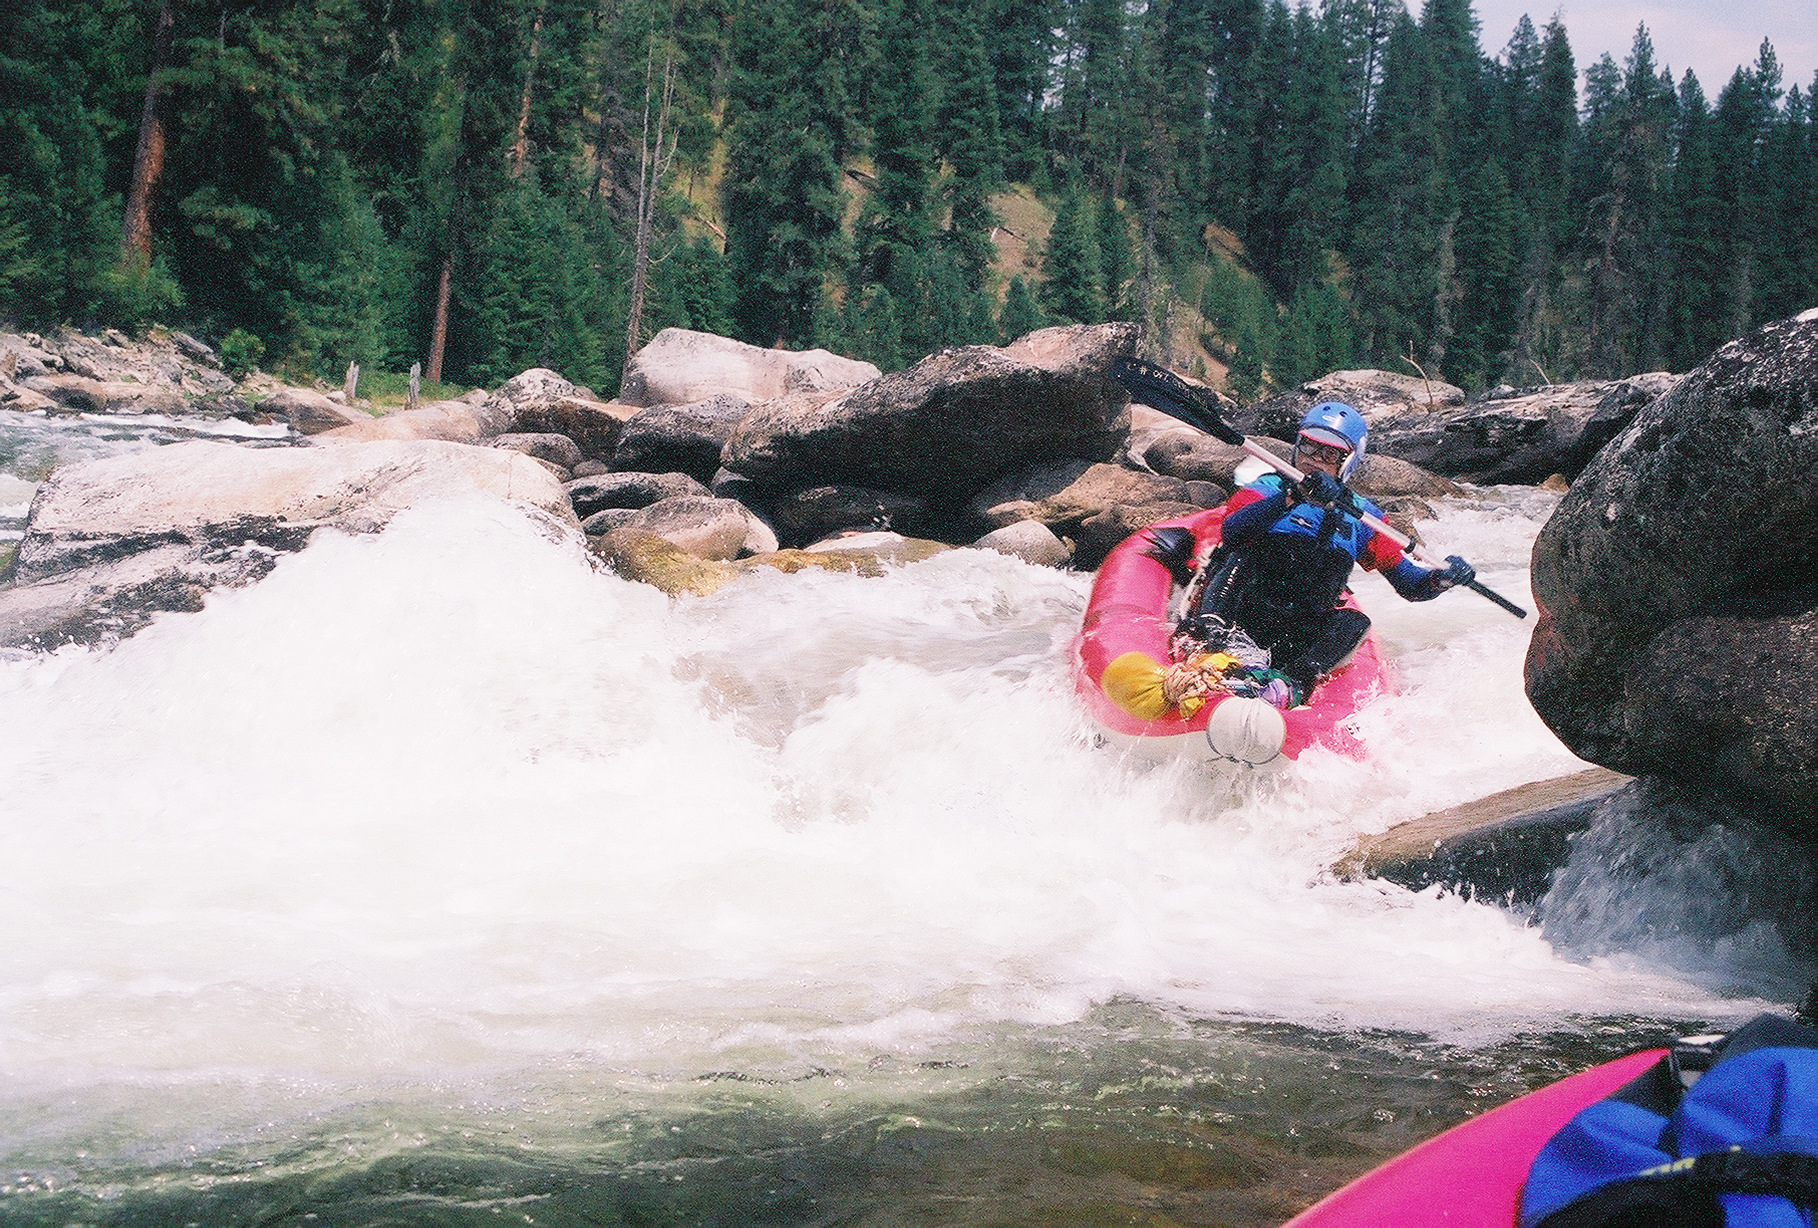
653,163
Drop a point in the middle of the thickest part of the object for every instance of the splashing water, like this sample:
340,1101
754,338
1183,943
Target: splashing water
445,818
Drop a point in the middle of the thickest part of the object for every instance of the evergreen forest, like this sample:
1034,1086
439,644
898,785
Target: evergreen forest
1273,191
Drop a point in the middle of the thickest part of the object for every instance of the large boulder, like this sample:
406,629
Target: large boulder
720,529
629,490
683,367
111,542
679,438
821,511
541,402
949,424
1678,583
449,421
1374,394
81,394
1521,436
312,413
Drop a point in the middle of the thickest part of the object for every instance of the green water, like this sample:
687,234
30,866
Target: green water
1129,1118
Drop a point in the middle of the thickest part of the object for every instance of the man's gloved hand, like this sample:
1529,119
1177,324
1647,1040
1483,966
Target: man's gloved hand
1455,572
1320,489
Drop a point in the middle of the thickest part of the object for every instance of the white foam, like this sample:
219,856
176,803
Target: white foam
447,797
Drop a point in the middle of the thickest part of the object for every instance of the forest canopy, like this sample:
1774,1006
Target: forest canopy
1273,191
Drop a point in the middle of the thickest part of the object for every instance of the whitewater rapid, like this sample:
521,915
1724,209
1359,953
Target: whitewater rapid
448,800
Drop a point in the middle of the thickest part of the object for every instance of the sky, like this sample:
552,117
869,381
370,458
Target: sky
1710,37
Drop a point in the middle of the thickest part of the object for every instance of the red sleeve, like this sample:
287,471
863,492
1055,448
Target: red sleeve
1380,551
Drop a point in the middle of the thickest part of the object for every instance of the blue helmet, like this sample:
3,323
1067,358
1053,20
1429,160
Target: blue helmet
1336,425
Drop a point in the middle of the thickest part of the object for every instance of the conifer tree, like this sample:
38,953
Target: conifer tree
1072,287
1020,315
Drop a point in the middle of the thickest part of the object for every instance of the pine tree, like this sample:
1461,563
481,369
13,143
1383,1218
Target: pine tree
1020,315
791,126
1072,287
1695,249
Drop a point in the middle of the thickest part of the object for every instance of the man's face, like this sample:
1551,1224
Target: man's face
1322,457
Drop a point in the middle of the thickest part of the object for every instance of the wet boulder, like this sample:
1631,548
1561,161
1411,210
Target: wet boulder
821,511
1678,583
629,490
951,423
684,367
679,438
311,413
1028,540
111,542
710,528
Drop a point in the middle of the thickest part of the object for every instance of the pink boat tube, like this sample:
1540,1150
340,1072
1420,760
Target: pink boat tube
1471,1176
1128,613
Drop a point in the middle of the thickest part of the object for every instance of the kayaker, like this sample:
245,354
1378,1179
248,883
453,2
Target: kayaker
1287,552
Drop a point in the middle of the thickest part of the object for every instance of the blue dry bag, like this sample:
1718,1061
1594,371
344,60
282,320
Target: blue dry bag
1722,1134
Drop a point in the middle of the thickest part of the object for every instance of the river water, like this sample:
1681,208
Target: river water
440,878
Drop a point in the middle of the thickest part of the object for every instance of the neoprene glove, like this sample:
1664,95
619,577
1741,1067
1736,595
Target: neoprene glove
1456,572
1321,489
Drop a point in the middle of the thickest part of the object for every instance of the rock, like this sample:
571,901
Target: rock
608,519
629,490
1678,628
1386,477
682,367
946,426
810,515
1193,456
1063,495
1521,437
1505,847
590,469
712,528
81,394
679,438
648,558
539,401
157,360
558,450
1374,394
448,421
311,413
1100,532
110,542
882,545
1028,540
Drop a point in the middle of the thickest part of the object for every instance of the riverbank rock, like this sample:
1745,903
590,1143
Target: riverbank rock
160,359
82,395
1521,436
1374,394
1678,594
111,542
683,367
457,421
946,426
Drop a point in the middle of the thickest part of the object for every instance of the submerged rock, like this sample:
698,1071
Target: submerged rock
111,542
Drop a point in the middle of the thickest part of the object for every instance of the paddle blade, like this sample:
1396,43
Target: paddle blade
1161,389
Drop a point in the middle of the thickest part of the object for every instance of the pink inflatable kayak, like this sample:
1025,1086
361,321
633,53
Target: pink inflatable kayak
1128,613
1470,1176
